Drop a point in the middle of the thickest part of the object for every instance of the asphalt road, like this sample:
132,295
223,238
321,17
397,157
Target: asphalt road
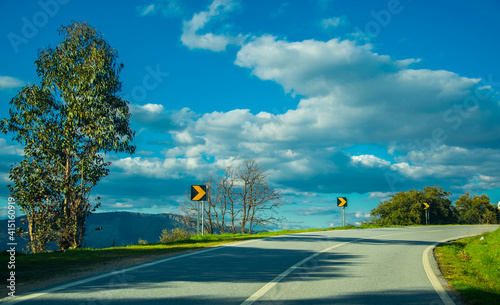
370,266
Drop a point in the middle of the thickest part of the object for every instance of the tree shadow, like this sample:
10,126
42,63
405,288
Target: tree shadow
422,297
354,240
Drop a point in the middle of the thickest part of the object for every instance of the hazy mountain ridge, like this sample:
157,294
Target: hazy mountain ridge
118,229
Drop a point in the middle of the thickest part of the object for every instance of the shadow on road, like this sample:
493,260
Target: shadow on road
385,298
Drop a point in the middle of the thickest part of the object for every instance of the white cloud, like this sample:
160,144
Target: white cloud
154,108
168,8
350,95
334,22
482,182
370,161
361,214
9,82
154,116
362,95
191,164
209,41
121,205
144,152
313,211
6,149
146,10
381,196
4,178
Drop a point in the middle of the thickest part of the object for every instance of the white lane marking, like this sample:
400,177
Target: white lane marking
254,297
257,295
19,299
443,295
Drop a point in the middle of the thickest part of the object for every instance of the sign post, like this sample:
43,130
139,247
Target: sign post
199,193
426,213
342,202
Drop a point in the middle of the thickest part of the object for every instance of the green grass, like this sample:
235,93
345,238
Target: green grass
472,267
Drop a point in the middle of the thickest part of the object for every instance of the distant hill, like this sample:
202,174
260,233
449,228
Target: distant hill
118,229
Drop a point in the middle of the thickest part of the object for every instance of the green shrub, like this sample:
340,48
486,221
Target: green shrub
174,235
142,241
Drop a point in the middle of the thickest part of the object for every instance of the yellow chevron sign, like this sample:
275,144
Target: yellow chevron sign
198,192
341,201
426,206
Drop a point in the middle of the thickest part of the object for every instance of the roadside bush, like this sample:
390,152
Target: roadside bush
142,241
174,235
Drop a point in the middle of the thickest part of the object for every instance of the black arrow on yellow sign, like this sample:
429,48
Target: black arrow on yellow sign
341,201
198,192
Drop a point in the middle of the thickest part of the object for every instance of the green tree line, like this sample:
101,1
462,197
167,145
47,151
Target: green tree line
407,208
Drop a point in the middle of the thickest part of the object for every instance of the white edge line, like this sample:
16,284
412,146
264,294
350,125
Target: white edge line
15,300
254,297
432,276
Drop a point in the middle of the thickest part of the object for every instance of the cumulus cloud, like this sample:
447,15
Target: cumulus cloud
369,98
153,108
369,161
155,117
209,41
9,82
6,149
438,127
380,196
482,182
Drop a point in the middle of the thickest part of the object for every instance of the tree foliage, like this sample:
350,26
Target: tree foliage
406,208
475,210
238,200
65,125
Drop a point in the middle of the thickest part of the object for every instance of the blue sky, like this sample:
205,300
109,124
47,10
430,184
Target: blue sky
360,99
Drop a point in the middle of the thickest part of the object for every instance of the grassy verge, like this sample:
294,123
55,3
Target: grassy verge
472,267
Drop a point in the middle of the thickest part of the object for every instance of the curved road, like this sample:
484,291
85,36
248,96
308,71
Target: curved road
370,266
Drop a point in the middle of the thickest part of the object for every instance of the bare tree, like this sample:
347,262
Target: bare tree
188,209
259,201
226,185
207,210
238,199
209,218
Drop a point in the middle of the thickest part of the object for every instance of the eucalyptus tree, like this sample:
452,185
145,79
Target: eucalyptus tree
66,125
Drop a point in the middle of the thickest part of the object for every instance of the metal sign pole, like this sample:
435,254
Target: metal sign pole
343,216
198,218
342,202
203,218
